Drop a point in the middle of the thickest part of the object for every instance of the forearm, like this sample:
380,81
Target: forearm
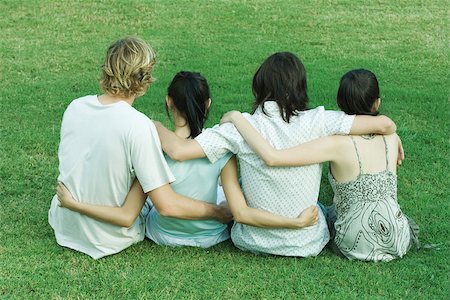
121,216
190,209
108,214
260,218
170,204
313,152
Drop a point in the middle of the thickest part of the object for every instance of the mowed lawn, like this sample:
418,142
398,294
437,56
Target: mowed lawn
51,52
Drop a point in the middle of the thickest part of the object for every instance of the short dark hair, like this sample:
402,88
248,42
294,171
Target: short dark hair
281,78
357,93
190,94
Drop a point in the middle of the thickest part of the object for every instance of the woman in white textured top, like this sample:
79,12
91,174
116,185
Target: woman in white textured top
280,116
370,225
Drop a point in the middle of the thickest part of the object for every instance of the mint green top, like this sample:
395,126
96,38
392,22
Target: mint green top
197,179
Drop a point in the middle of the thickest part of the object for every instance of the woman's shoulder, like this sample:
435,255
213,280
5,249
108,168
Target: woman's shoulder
391,137
392,140
313,111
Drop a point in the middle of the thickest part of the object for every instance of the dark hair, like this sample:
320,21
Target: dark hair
281,78
357,93
190,94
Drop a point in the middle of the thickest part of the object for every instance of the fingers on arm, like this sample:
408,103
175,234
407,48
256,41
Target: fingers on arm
170,204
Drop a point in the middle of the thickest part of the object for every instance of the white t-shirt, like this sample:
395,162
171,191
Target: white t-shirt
102,149
285,191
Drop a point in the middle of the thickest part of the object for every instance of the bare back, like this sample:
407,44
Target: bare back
372,155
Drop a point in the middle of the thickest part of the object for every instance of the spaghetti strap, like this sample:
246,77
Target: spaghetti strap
387,153
357,154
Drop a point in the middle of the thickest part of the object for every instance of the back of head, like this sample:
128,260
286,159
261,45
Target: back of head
127,68
281,78
357,93
190,96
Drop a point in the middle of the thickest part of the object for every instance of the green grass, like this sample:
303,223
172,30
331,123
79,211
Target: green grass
51,53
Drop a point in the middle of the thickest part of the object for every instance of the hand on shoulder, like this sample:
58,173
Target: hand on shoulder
229,117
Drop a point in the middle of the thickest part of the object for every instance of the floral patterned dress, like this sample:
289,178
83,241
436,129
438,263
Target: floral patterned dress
370,225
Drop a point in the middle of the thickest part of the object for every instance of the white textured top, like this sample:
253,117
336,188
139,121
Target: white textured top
285,191
102,149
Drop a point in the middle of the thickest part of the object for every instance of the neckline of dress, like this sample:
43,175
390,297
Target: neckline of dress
388,172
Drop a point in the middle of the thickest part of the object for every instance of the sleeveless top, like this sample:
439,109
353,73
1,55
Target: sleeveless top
370,225
197,179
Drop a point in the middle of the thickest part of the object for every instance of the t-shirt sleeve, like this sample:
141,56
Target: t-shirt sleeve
336,122
224,160
216,142
147,159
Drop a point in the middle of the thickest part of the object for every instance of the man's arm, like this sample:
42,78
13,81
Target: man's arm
170,204
256,217
176,147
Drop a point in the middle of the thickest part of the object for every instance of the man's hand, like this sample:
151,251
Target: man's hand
65,197
309,216
223,213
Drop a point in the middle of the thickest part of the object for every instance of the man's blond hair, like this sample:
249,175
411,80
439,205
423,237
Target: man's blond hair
127,69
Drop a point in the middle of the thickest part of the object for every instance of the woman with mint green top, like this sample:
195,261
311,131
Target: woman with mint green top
197,179
188,100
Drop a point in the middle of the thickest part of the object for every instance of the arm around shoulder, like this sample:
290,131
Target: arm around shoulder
372,124
177,148
315,151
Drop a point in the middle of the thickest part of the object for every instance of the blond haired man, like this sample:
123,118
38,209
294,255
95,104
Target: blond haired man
106,144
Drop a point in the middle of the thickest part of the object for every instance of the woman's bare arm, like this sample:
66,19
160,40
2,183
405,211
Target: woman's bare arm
176,147
372,124
317,151
122,216
167,202
256,217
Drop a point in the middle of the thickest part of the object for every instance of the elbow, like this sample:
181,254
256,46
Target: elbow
127,221
166,210
240,217
389,127
270,160
176,154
